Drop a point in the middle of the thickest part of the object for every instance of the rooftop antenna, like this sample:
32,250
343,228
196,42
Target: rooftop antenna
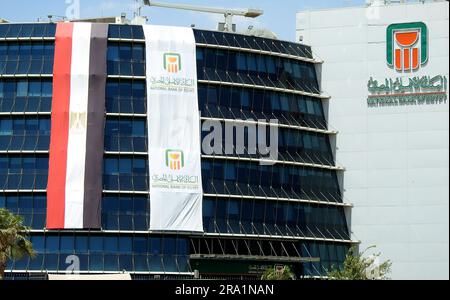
50,18
137,8
228,13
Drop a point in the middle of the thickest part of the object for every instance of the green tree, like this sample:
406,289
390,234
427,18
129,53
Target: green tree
13,239
359,266
273,274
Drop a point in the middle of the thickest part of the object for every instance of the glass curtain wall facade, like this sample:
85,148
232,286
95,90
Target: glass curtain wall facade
254,216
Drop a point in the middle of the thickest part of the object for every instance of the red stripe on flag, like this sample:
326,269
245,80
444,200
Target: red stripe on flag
60,127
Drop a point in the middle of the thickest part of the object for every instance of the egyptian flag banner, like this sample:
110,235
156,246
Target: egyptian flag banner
74,189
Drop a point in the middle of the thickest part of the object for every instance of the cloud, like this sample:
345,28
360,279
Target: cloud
107,8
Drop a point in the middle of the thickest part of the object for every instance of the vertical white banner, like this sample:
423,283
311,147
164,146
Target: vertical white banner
176,192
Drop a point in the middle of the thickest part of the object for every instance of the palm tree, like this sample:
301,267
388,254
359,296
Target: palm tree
13,239
284,273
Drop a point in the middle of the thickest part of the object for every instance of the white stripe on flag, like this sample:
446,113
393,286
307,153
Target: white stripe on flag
76,149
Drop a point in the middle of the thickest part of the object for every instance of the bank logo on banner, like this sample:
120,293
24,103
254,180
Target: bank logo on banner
172,62
407,46
175,159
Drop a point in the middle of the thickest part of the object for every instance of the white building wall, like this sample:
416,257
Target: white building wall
397,158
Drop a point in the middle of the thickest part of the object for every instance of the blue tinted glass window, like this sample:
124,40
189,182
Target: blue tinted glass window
169,246
138,32
245,98
3,164
112,89
96,244
208,208
125,51
125,245
6,127
310,106
37,51
25,204
200,56
95,262
125,32
67,244
39,203
125,89
13,51
241,62
138,89
113,52
140,245
81,244
52,244
15,164
12,203
42,163
125,166
38,243
38,30
138,52
125,127
50,30
114,31
35,88
3,50
261,64
251,61
139,128
139,166
46,89
44,125
155,246
9,89
25,51
212,96
111,166
230,172
233,209
49,51
3,30
297,71
271,65
111,244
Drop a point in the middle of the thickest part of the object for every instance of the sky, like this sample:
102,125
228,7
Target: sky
279,15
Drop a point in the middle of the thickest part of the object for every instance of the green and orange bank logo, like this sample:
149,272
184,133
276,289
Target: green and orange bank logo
407,46
172,62
174,159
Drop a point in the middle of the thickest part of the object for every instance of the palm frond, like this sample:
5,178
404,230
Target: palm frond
14,244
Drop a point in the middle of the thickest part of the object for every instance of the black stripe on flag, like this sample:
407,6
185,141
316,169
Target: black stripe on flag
96,124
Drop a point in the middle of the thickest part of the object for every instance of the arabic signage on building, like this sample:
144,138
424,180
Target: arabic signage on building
417,90
407,50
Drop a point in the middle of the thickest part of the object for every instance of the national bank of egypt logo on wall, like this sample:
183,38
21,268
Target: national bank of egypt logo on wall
172,62
175,159
407,46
